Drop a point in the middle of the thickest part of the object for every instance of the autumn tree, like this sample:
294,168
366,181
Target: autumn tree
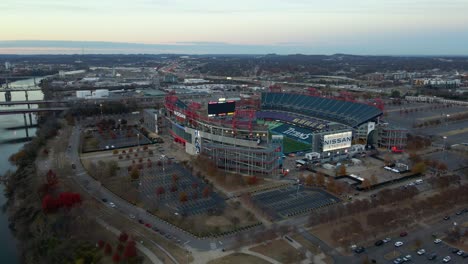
116,258
252,180
418,168
108,249
373,179
160,191
206,191
366,184
310,180
183,197
130,250
320,179
134,174
331,184
342,170
123,237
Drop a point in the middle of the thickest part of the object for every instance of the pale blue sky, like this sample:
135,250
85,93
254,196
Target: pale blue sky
293,26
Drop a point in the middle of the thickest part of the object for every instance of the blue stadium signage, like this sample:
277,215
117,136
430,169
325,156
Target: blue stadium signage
296,133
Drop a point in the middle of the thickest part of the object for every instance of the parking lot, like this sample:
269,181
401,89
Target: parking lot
416,240
155,177
293,200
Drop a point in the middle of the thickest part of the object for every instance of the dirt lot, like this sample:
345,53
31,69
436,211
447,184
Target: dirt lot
279,250
238,258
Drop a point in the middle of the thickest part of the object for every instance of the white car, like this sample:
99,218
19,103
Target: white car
407,258
446,259
387,239
398,244
421,251
112,204
437,241
131,216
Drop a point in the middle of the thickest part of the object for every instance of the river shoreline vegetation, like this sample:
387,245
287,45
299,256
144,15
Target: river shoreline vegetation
44,225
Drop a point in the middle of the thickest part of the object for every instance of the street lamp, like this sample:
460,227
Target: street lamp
100,106
445,144
138,137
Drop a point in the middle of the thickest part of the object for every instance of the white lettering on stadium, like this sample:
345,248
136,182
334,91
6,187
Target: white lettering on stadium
179,114
292,132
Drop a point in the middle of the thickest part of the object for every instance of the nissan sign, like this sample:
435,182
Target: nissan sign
337,141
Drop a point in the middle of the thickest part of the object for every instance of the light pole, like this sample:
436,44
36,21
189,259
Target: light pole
445,144
138,137
100,106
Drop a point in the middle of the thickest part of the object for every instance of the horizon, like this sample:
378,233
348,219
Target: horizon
363,27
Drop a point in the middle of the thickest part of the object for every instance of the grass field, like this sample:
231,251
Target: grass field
291,145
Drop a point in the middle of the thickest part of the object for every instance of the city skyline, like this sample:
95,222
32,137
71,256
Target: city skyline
395,27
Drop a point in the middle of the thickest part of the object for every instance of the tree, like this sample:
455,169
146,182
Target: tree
160,191
366,184
116,258
395,94
101,244
235,221
252,180
342,170
309,181
130,250
123,237
206,191
183,197
175,178
373,179
320,179
134,174
115,152
418,168
331,185
108,249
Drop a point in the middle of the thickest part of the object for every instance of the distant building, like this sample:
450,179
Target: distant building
7,65
195,81
390,137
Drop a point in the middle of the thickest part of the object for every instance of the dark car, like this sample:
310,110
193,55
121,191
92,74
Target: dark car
447,217
403,234
104,200
140,221
359,250
454,250
378,243
459,213
73,166
156,229
465,255
432,256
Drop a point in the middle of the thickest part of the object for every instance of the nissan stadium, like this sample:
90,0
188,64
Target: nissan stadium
251,135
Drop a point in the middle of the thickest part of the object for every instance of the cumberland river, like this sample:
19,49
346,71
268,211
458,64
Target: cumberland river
11,140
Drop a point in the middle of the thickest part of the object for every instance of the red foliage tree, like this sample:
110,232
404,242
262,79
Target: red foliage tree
101,244
107,249
116,257
49,204
120,248
123,237
252,180
130,250
68,199
173,188
183,197
175,178
160,190
159,163
194,185
206,191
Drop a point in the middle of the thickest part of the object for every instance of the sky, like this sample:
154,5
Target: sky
371,27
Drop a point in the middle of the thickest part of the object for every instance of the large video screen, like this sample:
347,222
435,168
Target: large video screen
221,108
337,141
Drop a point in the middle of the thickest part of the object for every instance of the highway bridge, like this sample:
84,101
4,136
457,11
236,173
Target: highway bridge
32,102
35,110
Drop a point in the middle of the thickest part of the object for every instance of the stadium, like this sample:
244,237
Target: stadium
251,135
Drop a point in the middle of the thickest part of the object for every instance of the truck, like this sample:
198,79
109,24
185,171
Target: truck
312,155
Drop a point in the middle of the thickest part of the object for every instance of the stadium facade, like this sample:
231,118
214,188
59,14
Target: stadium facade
252,138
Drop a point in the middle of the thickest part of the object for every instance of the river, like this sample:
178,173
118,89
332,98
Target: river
11,142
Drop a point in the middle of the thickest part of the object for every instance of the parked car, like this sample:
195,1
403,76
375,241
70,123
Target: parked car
460,253
131,216
446,259
407,258
403,234
112,204
398,244
421,251
432,256
386,240
454,250
437,241
148,225
359,250
447,217
104,200
378,243
140,221
459,213
73,166
398,261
